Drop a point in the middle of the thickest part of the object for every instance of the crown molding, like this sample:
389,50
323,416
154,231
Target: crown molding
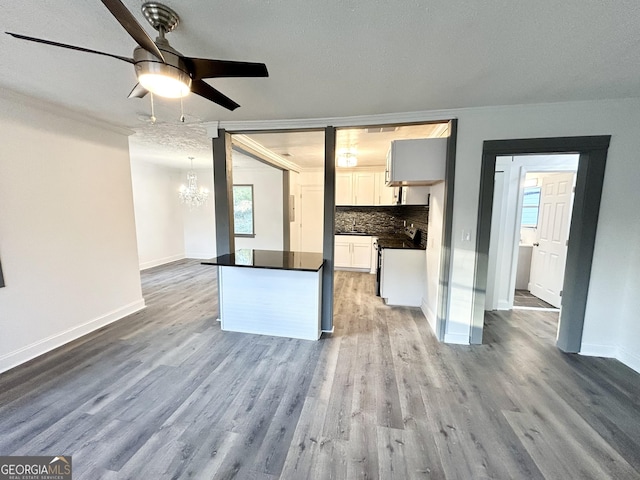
424,116
256,149
321,123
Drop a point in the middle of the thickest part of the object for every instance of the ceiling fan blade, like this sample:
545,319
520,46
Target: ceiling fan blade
207,68
133,28
205,90
138,91
70,47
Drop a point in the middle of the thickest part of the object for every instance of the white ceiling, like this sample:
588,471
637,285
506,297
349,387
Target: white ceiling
330,59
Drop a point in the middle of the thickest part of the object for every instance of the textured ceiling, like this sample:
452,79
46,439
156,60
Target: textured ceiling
334,58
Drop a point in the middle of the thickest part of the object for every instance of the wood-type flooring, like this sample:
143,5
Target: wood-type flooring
524,298
165,394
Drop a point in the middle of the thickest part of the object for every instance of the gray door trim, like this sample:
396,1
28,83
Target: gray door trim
329,227
223,193
584,221
447,214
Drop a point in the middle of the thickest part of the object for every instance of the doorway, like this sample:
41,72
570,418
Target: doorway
592,153
523,215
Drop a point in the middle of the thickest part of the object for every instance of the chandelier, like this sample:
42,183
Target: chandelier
190,194
347,159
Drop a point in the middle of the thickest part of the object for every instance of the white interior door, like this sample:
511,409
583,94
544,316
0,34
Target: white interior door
550,248
311,218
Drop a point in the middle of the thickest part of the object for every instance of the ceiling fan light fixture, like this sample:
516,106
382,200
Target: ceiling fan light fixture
164,85
160,68
170,79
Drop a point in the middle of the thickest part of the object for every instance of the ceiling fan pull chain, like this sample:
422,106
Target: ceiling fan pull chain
181,110
153,115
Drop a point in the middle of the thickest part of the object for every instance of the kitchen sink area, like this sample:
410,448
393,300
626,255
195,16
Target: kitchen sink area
388,242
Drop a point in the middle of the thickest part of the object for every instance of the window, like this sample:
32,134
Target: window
243,211
530,207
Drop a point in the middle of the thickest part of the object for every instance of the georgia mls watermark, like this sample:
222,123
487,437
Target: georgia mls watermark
35,468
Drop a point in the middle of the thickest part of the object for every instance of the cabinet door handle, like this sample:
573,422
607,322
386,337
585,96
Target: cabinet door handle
536,244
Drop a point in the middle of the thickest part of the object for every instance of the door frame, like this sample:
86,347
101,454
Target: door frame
592,152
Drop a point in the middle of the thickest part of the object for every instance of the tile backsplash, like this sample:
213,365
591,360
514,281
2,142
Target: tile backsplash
381,221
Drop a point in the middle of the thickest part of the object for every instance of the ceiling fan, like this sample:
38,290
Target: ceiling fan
161,69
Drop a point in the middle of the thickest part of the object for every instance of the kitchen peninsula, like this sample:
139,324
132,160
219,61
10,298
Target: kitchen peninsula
270,292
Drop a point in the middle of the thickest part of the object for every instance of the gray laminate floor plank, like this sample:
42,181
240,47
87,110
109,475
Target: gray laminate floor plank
164,393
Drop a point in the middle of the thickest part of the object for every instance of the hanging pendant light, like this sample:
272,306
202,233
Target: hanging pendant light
190,194
347,159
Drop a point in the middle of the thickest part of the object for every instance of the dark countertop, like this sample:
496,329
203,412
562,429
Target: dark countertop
273,259
399,240
357,234
399,243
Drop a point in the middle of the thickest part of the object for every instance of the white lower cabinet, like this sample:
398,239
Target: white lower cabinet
342,252
402,277
352,251
361,254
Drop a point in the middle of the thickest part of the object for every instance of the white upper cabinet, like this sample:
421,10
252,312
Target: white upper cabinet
419,161
384,195
364,187
415,195
344,189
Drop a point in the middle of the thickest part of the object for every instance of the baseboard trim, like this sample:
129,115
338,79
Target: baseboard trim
430,316
456,338
595,350
29,352
630,359
161,261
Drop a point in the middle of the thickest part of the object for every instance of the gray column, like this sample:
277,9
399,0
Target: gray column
223,193
329,226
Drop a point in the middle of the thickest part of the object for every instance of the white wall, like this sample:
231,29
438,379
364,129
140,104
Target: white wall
166,229
434,250
267,202
67,233
294,226
610,319
312,177
628,334
158,213
199,223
